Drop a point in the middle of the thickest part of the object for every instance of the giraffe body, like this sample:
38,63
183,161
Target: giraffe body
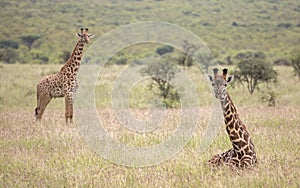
242,154
64,83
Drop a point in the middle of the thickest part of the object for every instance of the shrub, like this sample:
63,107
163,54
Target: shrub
282,61
8,56
9,44
164,49
254,71
295,62
162,72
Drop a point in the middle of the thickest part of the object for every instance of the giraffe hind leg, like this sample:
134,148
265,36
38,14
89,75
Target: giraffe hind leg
43,101
246,162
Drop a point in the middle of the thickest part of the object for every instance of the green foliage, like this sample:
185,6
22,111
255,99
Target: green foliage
207,60
28,40
189,50
64,56
164,49
121,60
9,44
8,55
284,25
256,27
282,61
295,62
37,57
253,69
269,96
249,54
229,60
162,73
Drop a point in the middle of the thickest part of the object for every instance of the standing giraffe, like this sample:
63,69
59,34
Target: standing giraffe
64,83
242,155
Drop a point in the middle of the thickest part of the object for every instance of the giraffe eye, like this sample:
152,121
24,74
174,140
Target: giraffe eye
213,84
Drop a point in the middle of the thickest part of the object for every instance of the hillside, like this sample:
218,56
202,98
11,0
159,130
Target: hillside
227,27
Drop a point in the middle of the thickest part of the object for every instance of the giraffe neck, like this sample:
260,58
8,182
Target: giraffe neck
73,63
227,105
234,126
238,134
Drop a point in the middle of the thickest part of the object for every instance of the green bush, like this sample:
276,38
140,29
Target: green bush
162,72
254,70
8,56
295,62
164,49
282,61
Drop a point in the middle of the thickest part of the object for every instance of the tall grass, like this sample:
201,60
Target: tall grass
51,153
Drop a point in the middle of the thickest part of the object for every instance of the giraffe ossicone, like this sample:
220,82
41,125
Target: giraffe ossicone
242,155
64,83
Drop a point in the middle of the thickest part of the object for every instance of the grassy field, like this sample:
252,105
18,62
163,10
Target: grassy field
54,154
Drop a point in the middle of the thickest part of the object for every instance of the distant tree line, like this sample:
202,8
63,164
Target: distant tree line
13,51
252,68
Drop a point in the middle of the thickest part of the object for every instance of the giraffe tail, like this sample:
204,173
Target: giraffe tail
38,104
36,112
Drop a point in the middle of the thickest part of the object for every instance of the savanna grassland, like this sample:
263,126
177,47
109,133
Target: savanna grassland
51,153
36,36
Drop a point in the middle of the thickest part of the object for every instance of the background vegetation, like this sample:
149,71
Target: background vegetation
42,31
53,154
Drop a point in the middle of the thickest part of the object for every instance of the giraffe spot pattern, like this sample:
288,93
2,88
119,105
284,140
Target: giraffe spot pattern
61,84
242,154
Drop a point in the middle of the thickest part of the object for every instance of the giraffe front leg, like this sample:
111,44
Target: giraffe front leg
69,108
216,160
220,159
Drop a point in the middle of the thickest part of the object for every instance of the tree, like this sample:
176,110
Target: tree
295,62
28,40
282,61
189,50
249,54
207,60
8,55
9,44
164,49
162,72
255,70
229,61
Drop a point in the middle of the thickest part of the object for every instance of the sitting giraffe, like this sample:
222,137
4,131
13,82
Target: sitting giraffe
64,83
242,155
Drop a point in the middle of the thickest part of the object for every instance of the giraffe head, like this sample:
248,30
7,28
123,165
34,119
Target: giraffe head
84,35
220,82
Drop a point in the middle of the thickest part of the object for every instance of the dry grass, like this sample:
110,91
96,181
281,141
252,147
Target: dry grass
53,154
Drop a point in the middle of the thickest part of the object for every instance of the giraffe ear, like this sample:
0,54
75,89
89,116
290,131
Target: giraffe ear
79,35
210,78
91,35
229,79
